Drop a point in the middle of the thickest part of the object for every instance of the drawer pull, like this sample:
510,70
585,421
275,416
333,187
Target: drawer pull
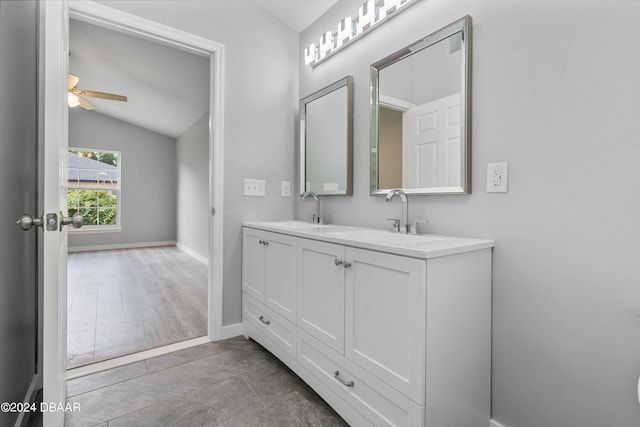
336,375
263,320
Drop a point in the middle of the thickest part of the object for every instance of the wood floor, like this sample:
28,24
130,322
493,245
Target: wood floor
124,301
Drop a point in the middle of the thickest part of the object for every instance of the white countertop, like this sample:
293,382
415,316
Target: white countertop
416,246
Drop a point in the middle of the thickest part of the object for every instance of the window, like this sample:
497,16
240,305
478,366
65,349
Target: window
94,187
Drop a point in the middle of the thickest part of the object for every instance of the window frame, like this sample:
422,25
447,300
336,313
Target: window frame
90,228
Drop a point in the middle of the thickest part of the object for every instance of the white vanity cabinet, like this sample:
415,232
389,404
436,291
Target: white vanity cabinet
269,285
353,300
269,275
386,338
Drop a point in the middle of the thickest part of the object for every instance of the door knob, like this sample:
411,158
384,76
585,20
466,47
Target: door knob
26,222
75,220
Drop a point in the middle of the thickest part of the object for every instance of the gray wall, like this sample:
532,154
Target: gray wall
555,93
192,158
148,206
261,95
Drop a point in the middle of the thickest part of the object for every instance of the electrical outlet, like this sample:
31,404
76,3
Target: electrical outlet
497,177
286,188
254,187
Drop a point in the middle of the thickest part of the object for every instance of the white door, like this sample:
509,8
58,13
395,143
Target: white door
18,187
54,42
431,147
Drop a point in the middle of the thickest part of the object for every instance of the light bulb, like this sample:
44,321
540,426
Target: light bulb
73,100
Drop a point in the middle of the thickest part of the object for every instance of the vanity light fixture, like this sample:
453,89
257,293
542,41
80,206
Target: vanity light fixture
371,14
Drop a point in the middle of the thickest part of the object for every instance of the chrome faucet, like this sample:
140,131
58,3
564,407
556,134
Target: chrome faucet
403,226
316,216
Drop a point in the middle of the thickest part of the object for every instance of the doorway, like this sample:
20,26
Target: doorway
207,251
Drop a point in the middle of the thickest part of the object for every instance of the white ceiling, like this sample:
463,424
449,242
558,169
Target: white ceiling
297,14
167,88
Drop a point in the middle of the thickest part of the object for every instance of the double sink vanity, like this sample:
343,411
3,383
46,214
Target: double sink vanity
391,328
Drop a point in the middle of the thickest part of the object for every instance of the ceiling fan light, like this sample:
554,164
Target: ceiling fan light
73,100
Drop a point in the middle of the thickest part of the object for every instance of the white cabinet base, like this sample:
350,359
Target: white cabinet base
385,339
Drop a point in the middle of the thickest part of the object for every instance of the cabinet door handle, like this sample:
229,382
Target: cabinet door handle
338,261
263,242
346,264
263,320
336,375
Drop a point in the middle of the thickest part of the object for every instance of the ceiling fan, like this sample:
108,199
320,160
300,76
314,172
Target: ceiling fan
76,96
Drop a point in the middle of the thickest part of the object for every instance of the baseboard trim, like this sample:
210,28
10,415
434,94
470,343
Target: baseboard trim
73,249
231,331
132,358
494,423
192,253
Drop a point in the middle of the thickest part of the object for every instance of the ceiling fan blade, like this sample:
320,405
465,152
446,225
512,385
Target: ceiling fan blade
86,104
102,95
72,81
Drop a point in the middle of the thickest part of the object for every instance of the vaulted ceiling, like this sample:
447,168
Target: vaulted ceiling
167,88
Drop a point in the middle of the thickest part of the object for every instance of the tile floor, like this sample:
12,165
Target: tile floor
235,382
124,301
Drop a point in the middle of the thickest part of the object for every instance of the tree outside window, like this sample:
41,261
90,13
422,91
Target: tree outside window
94,187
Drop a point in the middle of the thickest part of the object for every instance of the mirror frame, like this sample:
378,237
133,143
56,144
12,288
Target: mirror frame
348,82
463,26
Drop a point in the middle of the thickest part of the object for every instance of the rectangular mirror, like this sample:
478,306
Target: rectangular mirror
326,140
421,115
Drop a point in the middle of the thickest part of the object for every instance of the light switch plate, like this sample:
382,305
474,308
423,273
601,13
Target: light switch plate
286,188
497,177
254,187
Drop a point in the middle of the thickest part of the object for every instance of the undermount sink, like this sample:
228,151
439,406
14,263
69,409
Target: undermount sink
380,236
297,225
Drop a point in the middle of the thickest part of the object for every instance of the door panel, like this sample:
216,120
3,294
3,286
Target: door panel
18,166
254,253
321,292
378,284
281,285
431,155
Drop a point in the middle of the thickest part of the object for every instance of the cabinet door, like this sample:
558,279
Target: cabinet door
281,268
253,263
321,292
385,318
